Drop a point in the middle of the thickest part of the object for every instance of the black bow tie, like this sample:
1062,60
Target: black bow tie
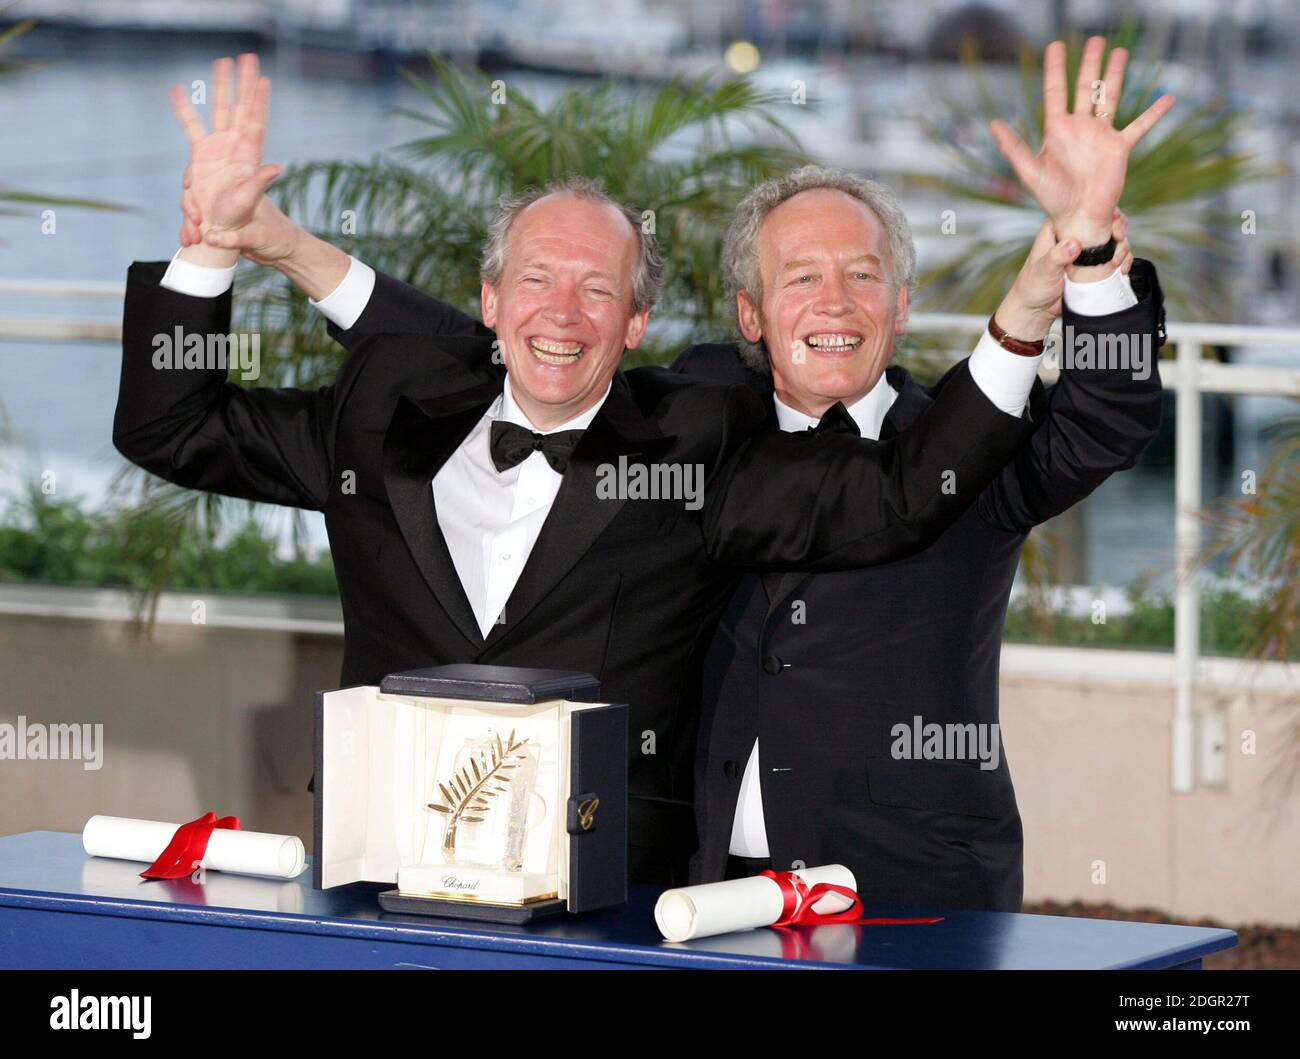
512,444
837,421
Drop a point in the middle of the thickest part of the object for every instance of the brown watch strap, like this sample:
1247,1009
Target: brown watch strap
1015,345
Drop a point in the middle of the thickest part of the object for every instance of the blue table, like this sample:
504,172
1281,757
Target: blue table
62,909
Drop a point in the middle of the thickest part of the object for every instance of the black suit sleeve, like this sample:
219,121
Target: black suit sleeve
193,427
1094,421
398,308
814,502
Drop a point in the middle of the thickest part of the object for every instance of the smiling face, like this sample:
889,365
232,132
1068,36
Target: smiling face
562,307
829,311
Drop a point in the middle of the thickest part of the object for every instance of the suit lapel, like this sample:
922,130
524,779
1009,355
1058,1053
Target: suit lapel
421,436
579,516
779,585
911,401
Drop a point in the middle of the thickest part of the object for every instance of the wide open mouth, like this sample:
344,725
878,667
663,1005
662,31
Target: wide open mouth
555,351
833,341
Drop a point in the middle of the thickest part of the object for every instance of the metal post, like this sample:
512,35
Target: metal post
1187,538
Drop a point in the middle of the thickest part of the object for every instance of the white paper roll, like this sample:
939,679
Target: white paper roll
246,852
740,904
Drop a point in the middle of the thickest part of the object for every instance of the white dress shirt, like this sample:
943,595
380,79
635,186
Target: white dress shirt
492,520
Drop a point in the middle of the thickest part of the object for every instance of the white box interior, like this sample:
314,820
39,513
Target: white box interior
383,756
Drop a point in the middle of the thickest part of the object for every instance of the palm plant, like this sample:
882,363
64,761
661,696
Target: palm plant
12,200
15,202
1170,191
1258,536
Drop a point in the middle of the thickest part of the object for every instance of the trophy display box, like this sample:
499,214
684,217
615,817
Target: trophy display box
483,792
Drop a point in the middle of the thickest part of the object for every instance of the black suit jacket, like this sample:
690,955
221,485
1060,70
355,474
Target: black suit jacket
627,590
820,668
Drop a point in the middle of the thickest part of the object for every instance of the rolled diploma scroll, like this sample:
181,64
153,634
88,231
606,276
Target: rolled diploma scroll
740,904
246,852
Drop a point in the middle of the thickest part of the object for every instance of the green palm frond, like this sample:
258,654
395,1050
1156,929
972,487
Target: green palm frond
12,196
1258,536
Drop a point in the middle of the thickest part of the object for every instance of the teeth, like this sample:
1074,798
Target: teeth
549,352
833,341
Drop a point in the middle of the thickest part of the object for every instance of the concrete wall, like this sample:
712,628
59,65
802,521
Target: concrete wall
1091,764
218,717
197,718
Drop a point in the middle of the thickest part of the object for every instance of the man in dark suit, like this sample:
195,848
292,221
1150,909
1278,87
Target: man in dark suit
463,496
852,717
821,671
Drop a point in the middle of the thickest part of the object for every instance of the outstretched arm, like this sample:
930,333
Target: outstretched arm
1106,407
177,414
226,213
178,417
1097,419
831,501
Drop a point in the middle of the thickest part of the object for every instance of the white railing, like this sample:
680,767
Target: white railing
1188,375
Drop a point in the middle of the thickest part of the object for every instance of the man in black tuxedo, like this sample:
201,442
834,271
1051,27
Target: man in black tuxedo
817,687
518,558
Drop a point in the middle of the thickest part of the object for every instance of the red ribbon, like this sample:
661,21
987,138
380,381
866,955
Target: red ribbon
798,900
185,851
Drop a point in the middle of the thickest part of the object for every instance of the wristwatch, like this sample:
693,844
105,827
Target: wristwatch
1018,346
1097,255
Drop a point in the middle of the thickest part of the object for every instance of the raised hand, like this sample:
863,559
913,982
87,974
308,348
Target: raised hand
267,238
226,177
1077,175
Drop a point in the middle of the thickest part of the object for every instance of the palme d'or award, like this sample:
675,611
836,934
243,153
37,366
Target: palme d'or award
483,792
490,828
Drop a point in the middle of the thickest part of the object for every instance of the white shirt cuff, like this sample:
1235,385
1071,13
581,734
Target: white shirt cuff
1005,378
199,281
1100,297
344,305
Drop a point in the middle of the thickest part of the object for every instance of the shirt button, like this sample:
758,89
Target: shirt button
505,557
772,665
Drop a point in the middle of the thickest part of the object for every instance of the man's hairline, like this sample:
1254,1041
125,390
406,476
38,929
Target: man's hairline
629,287
894,282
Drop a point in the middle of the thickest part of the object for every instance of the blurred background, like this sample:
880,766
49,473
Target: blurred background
1151,707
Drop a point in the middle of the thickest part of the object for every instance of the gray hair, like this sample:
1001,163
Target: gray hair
740,251
647,275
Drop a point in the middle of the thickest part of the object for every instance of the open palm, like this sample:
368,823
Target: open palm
226,177
1077,176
